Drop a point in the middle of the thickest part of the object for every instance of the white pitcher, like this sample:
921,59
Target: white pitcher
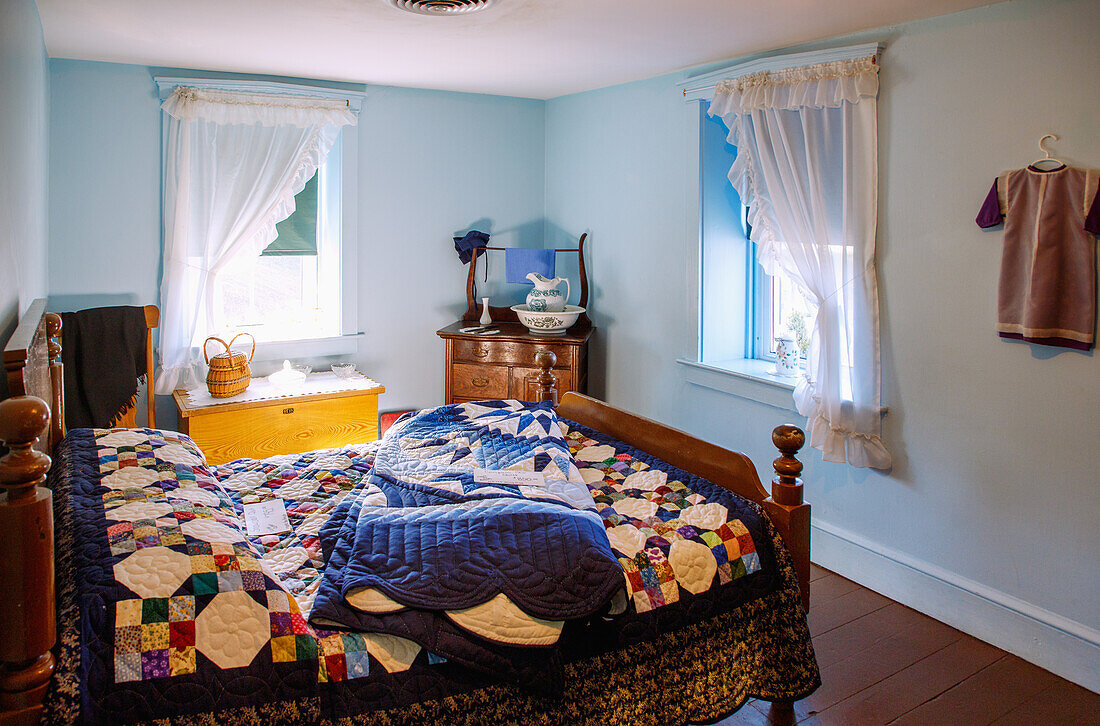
786,357
546,297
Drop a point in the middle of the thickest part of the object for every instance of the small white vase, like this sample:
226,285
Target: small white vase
486,318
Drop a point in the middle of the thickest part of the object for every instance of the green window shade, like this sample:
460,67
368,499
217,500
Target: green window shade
298,232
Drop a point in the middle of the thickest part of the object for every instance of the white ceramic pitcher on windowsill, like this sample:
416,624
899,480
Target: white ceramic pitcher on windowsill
546,297
786,357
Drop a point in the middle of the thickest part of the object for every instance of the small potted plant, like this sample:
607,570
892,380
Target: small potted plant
796,326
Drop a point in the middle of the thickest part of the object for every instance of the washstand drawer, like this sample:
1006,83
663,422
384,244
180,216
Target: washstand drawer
510,353
479,381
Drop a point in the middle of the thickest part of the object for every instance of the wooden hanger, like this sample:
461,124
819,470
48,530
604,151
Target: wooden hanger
1048,159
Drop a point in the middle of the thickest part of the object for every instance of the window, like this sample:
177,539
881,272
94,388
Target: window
299,297
811,169
779,309
291,291
743,310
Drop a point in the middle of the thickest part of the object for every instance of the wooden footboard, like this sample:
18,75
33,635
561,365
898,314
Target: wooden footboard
726,468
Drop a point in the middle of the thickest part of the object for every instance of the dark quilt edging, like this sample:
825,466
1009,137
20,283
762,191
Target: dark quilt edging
699,674
62,703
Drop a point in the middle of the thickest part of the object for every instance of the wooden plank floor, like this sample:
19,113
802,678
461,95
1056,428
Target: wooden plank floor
883,663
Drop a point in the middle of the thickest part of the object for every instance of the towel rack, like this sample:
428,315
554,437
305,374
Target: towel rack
506,314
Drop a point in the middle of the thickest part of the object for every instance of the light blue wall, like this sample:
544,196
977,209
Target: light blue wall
104,185
431,164
435,164
24,152
994,442
622,163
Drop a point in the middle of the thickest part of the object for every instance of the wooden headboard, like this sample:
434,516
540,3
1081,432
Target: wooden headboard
32,362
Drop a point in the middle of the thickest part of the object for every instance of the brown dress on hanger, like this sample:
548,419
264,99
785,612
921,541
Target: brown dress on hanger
1047,291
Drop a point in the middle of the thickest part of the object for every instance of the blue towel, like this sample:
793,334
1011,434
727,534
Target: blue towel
519,262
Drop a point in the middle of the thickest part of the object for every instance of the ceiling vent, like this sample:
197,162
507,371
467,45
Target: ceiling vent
442,7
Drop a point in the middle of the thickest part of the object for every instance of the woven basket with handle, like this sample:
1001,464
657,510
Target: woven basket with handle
229,372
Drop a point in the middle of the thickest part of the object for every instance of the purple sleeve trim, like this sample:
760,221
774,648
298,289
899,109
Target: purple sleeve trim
990,213
1092,222
1056,342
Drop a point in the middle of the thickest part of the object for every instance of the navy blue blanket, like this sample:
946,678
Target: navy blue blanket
429,538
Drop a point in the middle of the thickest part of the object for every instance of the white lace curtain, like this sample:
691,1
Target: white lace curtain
807,169
233,163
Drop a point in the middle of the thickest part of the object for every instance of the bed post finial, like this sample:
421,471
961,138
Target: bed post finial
785,507
547,384
26,527
57,385
787,486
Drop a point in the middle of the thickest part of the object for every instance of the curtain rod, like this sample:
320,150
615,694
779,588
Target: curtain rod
505,249
166,84
697,87
874,61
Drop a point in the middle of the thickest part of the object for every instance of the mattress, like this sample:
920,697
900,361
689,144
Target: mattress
168,610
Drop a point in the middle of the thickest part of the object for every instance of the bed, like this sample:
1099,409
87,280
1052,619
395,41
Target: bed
715,586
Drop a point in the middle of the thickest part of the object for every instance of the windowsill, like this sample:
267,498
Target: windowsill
746,378
308,348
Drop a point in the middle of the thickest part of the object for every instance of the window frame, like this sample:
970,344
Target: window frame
748,377
323,266
345,151
761,314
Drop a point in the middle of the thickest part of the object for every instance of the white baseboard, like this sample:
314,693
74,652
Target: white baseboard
1051,641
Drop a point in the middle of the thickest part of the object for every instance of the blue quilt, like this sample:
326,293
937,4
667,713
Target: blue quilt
427,537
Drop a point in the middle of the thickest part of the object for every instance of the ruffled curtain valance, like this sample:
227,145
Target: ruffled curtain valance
824,85
229,107
807,169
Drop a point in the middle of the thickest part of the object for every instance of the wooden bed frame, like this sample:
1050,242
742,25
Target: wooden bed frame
27,610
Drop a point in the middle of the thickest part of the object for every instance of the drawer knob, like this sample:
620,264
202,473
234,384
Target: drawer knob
481,382
288,410
482,352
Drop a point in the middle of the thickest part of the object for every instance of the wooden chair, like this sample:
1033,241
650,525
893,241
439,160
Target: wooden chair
127,420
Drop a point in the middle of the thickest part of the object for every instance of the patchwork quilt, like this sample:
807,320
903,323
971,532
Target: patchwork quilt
180,612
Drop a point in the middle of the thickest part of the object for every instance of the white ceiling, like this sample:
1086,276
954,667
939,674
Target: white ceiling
532,48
